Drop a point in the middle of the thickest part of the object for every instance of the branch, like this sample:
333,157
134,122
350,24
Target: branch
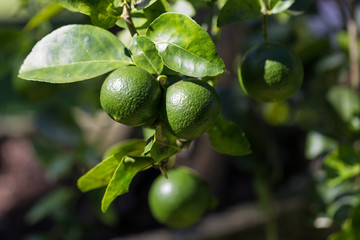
126,15
353,48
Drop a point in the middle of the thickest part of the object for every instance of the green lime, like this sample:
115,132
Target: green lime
270,72
276,113
180,200
190,108
131,95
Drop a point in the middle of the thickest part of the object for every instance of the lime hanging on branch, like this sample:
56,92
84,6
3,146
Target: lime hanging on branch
190,108
181,199
270,72
131,95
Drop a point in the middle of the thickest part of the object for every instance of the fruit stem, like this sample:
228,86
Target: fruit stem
162,79
126,15
163,171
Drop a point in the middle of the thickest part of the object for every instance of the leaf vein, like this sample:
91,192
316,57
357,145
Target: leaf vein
204,59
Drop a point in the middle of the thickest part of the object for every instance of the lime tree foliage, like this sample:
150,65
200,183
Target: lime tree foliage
165,80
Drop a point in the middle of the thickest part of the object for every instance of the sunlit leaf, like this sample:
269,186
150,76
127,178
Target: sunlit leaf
74,53
177,39
140,4
281,6
145,55
317,143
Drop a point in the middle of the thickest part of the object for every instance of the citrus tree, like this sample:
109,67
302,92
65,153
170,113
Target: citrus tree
165,81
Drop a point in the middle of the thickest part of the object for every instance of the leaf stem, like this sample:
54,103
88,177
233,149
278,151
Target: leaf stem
126,15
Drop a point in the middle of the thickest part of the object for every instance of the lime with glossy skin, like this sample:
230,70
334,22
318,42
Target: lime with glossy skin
180,200
270,72
131,95
190,108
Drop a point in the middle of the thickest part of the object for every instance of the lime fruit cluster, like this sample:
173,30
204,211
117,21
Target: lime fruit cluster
270,72
132,96
180,200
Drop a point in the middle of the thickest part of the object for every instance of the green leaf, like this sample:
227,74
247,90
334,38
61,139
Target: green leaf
184,46
228,138
120,181
317,143
272,3
101,174
102,13
162,145
45,14
345,101
281,6
145,55
141,4
235,10
131,146
341,165
143,17
74,53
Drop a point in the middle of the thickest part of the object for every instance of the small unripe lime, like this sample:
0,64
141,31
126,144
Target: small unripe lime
131,95
190,108
270,72
180,200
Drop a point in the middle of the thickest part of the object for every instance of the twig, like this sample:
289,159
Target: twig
126,15
353,48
